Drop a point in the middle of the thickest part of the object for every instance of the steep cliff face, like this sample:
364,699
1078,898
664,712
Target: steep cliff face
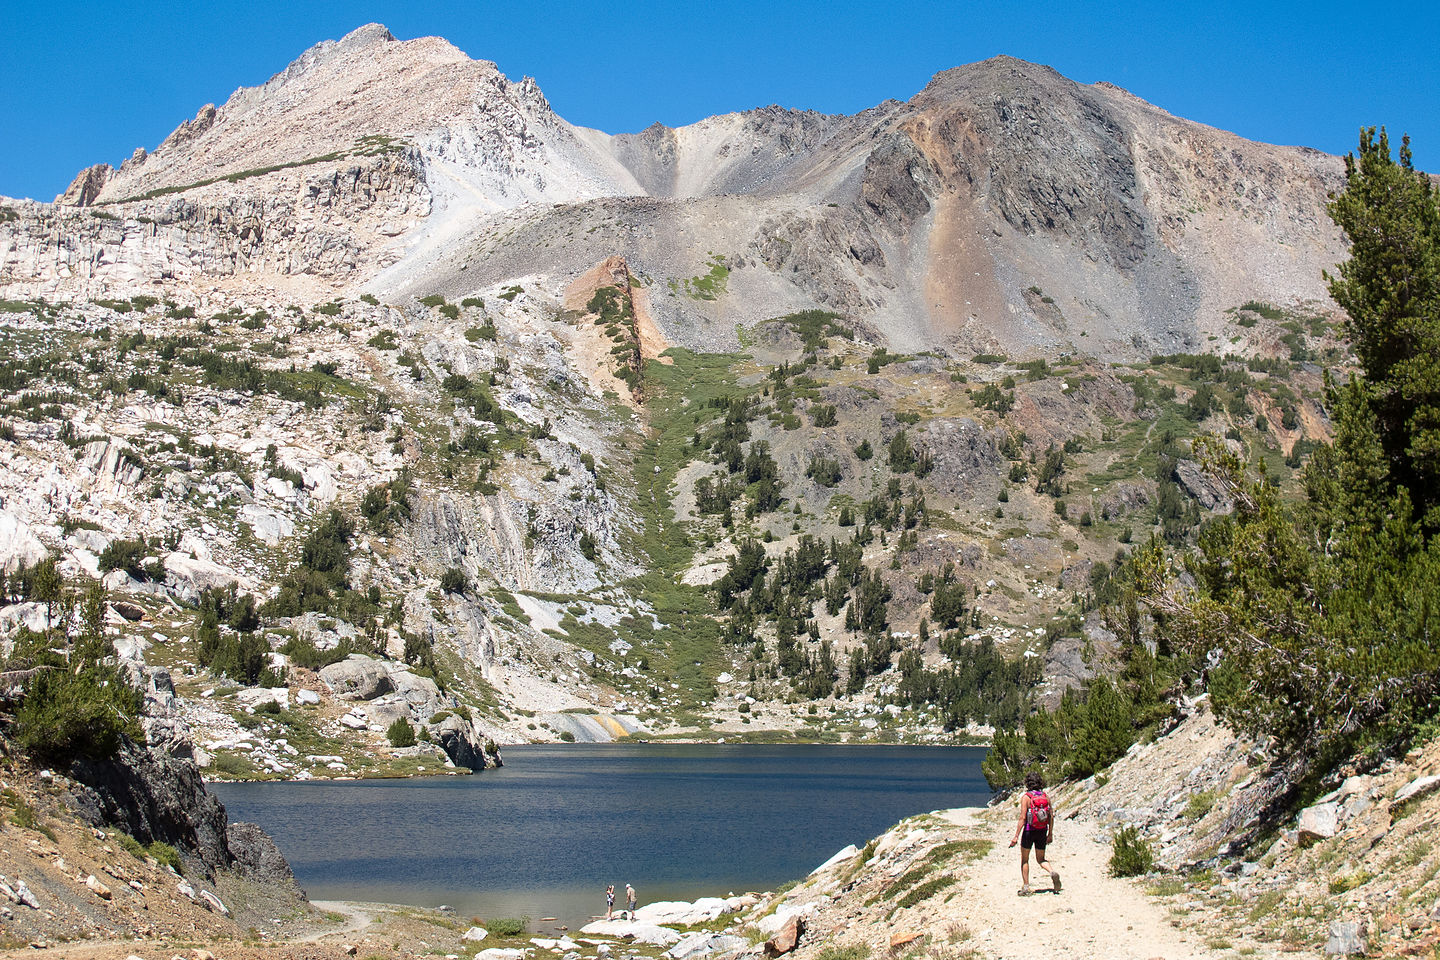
330,223
154,796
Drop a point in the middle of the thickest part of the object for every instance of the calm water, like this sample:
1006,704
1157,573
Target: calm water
542,836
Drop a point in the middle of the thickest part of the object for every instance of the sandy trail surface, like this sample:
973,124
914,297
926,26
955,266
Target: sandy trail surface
1094,915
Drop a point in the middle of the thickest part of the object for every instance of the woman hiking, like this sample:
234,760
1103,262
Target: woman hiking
1035,829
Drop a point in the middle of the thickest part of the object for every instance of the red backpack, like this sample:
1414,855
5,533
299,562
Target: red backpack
1039,815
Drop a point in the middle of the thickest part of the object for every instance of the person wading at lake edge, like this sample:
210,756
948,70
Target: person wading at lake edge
609,901
1035,829
630,900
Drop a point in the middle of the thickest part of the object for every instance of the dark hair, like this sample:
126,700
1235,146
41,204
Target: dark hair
1033,781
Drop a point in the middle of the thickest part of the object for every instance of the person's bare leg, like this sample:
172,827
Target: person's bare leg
1045,864
1025,868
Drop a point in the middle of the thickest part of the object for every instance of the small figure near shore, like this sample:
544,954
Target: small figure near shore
610,901
1035,829
630,900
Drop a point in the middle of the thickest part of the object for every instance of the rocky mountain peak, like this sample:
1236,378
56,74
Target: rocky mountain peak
1138,227
370,35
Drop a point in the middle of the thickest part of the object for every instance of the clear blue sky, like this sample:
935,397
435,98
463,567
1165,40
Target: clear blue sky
83,83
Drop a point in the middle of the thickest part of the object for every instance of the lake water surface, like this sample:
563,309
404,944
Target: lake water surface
543,835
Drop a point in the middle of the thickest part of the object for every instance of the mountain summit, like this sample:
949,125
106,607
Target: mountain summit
1003,207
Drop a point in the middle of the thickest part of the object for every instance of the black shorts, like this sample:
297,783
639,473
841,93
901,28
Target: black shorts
1033,838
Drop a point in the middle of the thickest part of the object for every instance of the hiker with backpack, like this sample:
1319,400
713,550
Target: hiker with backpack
1035,829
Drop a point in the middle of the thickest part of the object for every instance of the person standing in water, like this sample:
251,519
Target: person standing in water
1035,829
610,901
630,900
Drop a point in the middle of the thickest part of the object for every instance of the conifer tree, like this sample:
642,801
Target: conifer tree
1390,289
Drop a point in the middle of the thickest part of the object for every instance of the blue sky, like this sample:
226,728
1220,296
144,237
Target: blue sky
88,82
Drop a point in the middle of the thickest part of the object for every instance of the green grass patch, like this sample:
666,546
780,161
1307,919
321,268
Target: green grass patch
707,286
924,892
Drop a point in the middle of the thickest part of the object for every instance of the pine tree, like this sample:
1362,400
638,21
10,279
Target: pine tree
1390,289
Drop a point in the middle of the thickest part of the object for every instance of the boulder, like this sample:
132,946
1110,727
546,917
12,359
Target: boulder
257,856
787,938
1346,937
680,913
776,921
24,897
422,693
843,856
500,953
1203,487
1418,788
307,698
187,577
704,944
29,614
357,677
463,744
18,543
1320,822
254,696
386,711
128,610
269,526
633,930
214,903
475,934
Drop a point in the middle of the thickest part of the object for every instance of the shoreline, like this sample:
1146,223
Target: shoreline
970,742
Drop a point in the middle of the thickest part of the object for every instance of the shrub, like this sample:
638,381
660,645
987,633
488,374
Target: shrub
388,503
1130,853
567,736
303,653
66,713
124,555
824,471
165,855
400,733
851,951
454,580
508,926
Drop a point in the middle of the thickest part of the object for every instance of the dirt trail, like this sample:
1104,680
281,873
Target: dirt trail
358,916
1094,915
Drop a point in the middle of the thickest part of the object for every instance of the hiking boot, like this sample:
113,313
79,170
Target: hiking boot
1024,891
1055,880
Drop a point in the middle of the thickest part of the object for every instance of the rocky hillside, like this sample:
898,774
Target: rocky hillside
401,419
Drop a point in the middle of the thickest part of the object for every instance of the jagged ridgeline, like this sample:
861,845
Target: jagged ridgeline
395,424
